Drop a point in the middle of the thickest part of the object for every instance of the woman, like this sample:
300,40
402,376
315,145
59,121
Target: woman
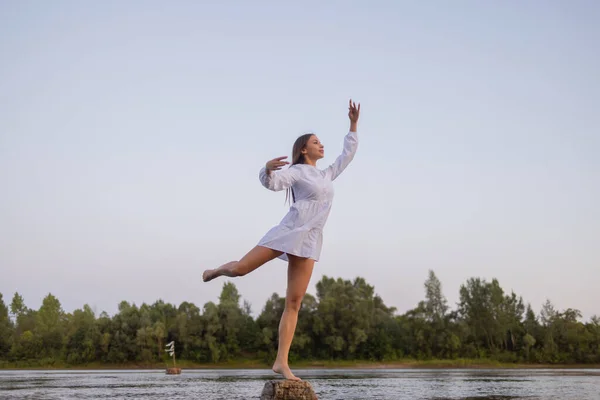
298,237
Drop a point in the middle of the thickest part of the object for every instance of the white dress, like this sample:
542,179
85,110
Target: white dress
300,232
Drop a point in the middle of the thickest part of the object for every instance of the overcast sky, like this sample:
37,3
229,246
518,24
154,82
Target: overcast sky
132,133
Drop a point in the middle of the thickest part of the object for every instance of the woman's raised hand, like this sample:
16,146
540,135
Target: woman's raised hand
353,111
276,164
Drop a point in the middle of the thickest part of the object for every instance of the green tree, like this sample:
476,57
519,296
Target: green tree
186,331
24,317
6,330
593,328
124,327
439,340
83,336
533,335
380,337
436,305
344,317
231,321
50,327
211,348
492,319
25,345
17,306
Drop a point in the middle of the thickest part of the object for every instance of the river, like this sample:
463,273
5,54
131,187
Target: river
338,384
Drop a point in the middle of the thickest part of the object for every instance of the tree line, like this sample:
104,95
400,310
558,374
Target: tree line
346,320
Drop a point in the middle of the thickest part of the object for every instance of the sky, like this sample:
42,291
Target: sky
132,133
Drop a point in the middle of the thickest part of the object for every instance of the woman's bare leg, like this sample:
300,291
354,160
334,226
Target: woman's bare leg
299,274
253,259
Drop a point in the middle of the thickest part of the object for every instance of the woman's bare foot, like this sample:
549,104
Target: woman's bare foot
209,275
227,269
284,370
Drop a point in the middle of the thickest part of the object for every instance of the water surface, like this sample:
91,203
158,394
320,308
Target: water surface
338,384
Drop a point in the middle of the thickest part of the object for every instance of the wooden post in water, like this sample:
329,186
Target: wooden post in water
171,350
288,390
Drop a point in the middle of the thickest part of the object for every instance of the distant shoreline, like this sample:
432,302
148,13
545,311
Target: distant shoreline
356,365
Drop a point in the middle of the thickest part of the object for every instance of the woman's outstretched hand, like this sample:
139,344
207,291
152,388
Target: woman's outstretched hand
353,111
275,164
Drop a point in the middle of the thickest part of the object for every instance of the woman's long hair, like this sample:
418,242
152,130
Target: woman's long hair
297,158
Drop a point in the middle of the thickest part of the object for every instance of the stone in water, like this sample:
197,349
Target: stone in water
288,390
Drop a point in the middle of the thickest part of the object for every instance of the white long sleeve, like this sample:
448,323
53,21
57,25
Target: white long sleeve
342,161
278,180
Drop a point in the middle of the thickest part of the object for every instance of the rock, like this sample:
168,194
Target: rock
288,390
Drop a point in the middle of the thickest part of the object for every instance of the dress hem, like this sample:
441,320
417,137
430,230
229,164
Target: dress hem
285,253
